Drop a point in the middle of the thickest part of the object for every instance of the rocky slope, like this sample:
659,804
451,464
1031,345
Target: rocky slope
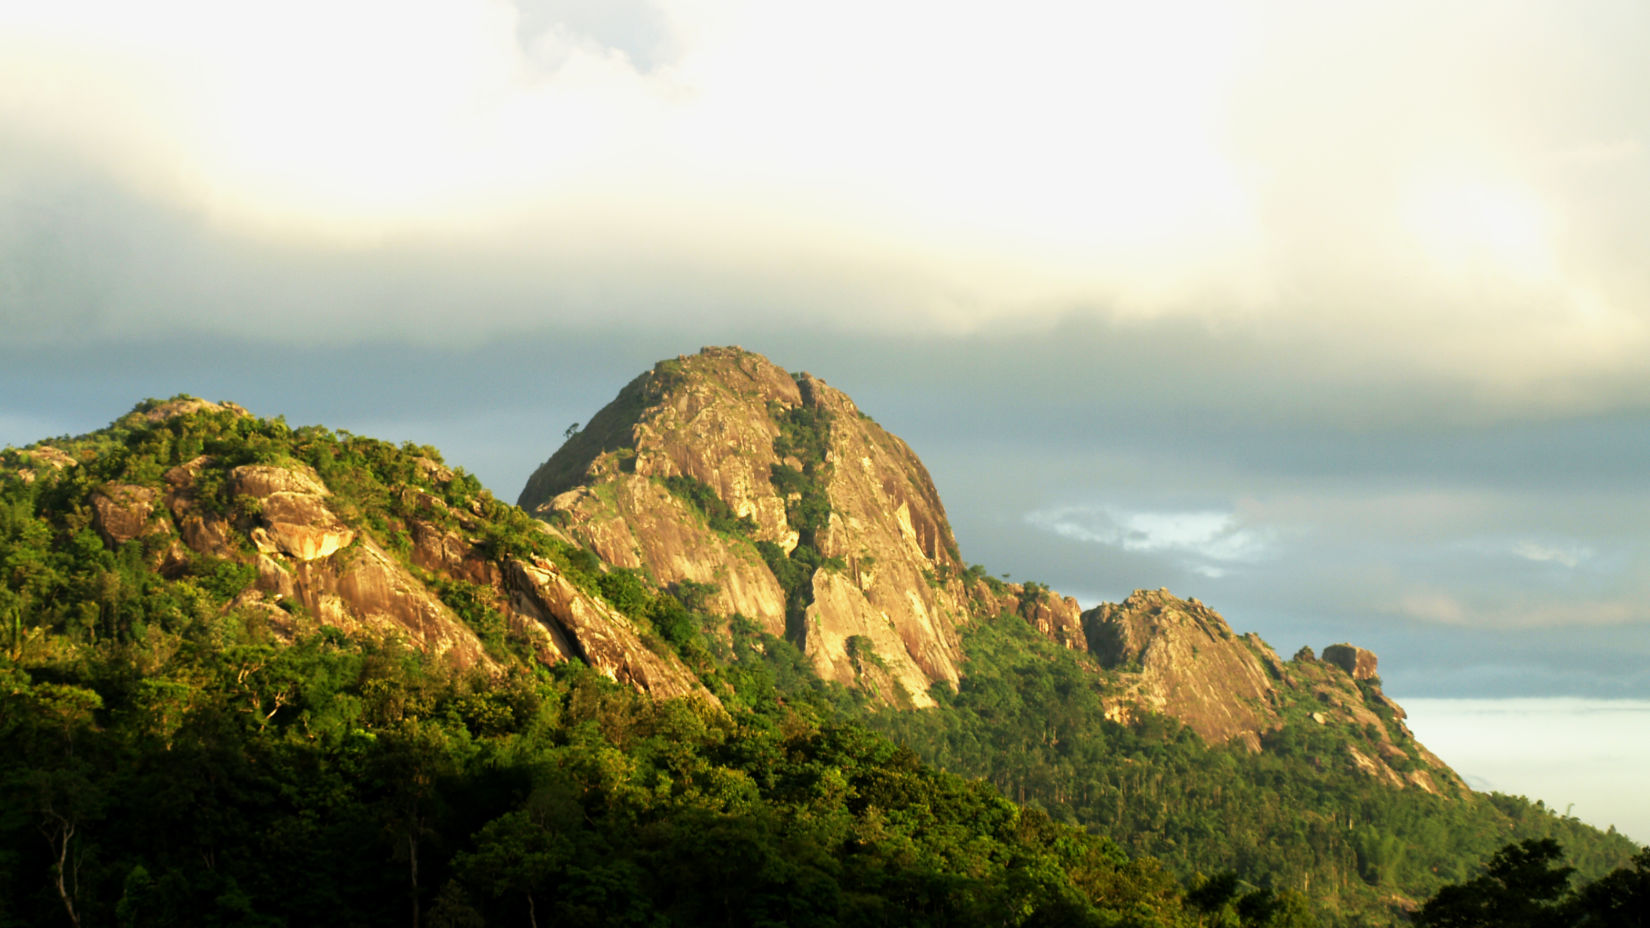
744,488
311,557
193,535
1179,658
721,468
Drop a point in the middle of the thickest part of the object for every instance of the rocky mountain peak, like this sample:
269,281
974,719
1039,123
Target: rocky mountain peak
303,530
692,415
806,516
777,499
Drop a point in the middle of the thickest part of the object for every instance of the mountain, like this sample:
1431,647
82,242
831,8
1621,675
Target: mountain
806,516
259,675
738,634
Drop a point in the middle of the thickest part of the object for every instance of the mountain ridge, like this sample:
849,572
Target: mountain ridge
187,519
889,582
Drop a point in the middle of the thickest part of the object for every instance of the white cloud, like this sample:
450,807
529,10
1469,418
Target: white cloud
1567,555
1596,154
1207,541
1258,167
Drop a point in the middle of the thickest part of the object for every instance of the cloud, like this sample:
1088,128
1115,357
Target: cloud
1301,310
1595,154
1499,613
1208,542
1264,172
1570,555
637,28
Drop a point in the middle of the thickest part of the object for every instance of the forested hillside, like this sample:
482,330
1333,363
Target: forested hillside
1029,717
254,674
178,747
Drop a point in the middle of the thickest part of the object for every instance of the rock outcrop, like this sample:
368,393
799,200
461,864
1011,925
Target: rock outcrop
159,411
121,512
291,509
316,561
593,631
881,576
632,521
41,458
1354,660
1187,663
1058,618
311,565
1179,658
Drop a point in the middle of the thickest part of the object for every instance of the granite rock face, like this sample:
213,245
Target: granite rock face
632,521
121,512
1179,658
309,561
292,512
725,420
153,412
1187,663
582,626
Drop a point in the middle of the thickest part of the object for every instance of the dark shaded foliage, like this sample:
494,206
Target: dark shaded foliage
1527,885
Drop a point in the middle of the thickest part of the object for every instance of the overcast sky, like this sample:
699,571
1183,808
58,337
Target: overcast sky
1334,316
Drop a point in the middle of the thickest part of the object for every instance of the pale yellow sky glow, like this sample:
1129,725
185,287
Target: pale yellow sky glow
1426,178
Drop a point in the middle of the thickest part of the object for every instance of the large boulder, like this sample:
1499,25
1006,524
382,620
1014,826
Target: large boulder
122,512
1354,660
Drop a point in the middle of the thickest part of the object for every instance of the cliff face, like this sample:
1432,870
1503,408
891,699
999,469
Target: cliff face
1352,659
807,516
707,422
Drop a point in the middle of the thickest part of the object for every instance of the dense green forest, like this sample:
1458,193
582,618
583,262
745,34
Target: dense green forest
387,790
171,757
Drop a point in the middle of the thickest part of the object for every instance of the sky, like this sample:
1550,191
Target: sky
1333,316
